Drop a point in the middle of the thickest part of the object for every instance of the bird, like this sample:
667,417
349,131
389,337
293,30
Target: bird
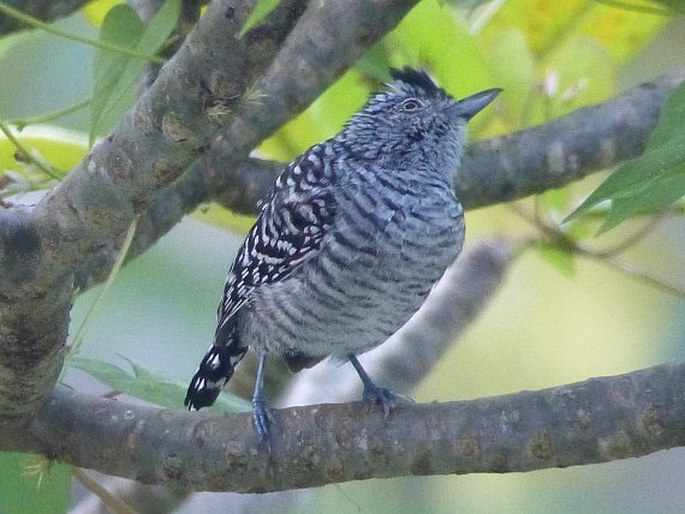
348,243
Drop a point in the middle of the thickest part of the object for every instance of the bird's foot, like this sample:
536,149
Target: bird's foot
262,418
385,397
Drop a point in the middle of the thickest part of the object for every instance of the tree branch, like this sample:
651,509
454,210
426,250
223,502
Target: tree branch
400,363
493,171
34,323
599,420
566,149
161,135
149,149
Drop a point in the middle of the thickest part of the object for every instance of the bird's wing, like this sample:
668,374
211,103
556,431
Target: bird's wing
290,229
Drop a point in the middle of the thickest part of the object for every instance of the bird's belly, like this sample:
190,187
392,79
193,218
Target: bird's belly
356,293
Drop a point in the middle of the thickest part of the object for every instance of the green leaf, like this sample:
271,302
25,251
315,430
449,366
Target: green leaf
96,10
557,257
651,181
114,87
654,197
25,493
260,11
148,386
115,73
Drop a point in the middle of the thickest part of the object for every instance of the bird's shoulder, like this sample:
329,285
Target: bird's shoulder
292,224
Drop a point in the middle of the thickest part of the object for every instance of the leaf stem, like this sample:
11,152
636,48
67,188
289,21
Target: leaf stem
110,500
48,170
633,270
49,116
645,9
50,29
90,315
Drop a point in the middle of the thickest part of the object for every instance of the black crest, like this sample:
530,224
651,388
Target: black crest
418,79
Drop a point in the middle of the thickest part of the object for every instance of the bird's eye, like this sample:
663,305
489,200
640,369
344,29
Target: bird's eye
412,104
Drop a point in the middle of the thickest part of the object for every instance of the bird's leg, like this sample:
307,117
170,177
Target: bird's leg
374,393
261,415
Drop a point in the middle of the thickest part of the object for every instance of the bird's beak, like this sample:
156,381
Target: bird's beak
468,107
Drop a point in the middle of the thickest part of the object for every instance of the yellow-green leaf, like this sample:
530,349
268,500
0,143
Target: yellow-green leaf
150,387
60,147
548,25
96,11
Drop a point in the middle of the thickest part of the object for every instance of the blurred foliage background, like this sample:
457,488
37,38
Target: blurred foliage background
556,320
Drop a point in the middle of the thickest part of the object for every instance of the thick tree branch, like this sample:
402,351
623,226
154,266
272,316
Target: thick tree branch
599,420
160,136
566,149
149,149
400,363
495,170
33,324
207,88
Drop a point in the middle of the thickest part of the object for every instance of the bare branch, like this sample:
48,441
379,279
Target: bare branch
160,136
150,149
34,324
564,150
599,420
495,170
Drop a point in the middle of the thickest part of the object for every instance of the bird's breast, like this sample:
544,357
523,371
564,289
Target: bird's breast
373,270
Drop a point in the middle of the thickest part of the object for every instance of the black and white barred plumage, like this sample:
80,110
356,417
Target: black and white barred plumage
348,244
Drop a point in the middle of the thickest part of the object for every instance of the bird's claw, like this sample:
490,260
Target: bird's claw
262,417
389,400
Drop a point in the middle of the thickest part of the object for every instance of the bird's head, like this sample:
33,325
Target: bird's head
414,122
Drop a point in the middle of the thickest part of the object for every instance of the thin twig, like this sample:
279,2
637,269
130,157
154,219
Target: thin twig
49,116
113,502
631,269
45,168
637,236
123,252
607,256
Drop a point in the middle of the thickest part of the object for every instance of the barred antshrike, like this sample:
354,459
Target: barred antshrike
349,242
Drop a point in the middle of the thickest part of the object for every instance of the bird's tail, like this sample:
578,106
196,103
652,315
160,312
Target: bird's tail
216,369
